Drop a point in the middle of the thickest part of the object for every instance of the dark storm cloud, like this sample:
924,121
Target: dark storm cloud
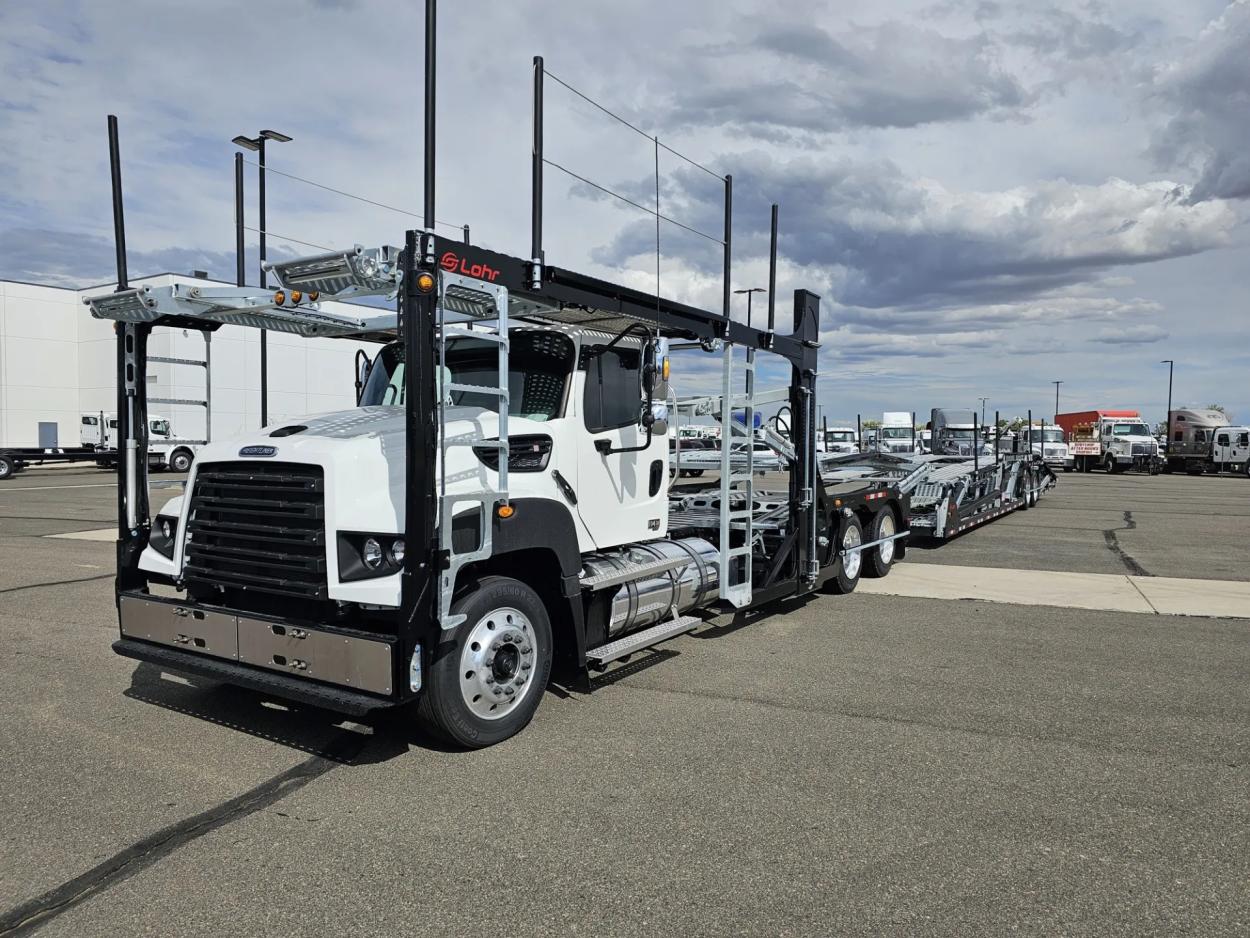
890,75
1208,92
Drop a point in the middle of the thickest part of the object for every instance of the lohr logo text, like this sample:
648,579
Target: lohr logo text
455,264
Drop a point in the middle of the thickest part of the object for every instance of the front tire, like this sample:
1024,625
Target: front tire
486,683
180,461
8,467
881,558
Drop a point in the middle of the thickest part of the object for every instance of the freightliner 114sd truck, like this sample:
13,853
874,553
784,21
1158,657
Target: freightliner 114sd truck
498,507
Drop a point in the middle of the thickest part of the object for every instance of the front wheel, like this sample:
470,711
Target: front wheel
180,461
8,467
486,683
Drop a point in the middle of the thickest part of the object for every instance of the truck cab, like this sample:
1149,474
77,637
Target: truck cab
898,434
1049,443
99,430
840,441
1230,450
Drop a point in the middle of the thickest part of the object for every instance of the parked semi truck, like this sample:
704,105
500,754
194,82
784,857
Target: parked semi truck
1203,441
898,432
496,509
840,441
1113,440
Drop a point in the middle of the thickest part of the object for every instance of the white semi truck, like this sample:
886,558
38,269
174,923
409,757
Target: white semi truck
1046,441
1204,441
498,506
99,430
898,432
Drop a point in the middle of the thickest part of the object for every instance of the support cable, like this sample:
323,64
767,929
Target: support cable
640,207
358,198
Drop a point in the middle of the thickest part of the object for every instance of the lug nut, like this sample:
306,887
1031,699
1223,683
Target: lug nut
526,665
509,691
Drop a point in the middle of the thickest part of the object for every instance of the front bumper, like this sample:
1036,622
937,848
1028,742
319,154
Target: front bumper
324,664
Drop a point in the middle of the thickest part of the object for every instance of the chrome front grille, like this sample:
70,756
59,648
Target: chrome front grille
258,526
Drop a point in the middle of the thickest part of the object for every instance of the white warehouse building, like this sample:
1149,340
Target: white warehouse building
57,364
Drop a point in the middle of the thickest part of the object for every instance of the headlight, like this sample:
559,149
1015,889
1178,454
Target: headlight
371,553
365,556
164,535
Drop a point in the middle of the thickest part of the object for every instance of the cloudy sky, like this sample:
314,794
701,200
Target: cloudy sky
988,196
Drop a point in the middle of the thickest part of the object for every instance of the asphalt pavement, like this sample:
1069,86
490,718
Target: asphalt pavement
846,765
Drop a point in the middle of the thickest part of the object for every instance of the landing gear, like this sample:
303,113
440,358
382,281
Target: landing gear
485,685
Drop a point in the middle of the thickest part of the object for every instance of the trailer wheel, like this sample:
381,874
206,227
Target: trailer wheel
486,683
180,461
881,558
8,466
849,566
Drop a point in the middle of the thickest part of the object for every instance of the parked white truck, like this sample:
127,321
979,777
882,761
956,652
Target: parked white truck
840,441
1202,440
1113,440
1047,441
898,433
99,430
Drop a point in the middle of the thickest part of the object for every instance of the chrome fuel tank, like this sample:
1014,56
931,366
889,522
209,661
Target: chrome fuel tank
657,596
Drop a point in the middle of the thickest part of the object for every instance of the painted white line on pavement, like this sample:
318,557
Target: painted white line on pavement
44,488
100,534
1111,592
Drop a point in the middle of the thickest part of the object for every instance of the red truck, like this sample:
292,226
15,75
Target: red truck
1109,439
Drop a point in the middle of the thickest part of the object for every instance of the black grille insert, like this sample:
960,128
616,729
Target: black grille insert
258,526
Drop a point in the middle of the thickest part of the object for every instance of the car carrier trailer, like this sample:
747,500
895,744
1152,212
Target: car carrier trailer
496,508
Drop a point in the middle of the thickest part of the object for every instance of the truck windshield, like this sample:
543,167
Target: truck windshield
896,433
957,433
1130,429
841,436
1049,436
539,365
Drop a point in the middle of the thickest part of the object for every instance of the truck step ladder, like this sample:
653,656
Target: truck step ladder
621,647
476,300
735,562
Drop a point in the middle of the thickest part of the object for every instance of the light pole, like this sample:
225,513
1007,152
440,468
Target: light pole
748,292
1167,419
257,145
1056,384
983,400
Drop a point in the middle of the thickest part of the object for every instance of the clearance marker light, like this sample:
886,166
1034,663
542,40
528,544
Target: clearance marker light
279,298
425,282
505,511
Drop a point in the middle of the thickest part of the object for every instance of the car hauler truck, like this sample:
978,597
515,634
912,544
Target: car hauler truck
498,505
1113,440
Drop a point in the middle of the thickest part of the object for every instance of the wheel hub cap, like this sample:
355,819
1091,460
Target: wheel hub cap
497,663
851,562
886,550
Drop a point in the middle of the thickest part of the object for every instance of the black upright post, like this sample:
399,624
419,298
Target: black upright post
240,273
859,431
419,612
264,283
913,432
536,180
466,234
772,273
976,443
133,523
803,479
729,213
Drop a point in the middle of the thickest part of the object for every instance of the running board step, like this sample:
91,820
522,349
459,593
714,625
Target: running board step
630,572
644,639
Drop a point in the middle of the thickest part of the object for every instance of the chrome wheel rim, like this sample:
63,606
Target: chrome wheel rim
851,562
497,663
886,550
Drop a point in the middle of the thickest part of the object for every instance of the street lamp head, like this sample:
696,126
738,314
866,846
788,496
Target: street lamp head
275,136
751,290
246,142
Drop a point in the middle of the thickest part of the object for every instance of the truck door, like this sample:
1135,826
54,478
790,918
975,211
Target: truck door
1222,450
621,496
1241,449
